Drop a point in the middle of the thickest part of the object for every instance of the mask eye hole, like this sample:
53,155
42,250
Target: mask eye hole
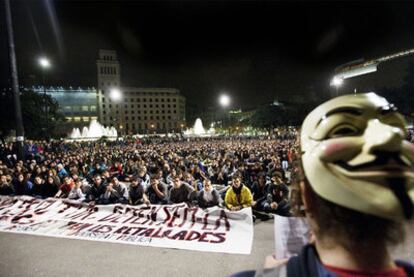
343,131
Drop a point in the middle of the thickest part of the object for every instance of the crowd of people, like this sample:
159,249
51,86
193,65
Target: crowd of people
229,172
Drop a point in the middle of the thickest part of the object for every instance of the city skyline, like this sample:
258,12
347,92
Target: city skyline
255,51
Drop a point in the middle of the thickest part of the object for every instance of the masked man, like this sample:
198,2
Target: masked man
357,189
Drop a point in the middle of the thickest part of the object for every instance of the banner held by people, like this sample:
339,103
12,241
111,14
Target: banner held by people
174,226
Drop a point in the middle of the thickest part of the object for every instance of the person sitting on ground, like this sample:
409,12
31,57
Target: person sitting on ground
357,190
144,176
76,192
6,187
38,187
208,196
65,188
180,191
277,200
137,193
157,192
259,192
238,196
61,171
21,184
96,191
51,187
116,192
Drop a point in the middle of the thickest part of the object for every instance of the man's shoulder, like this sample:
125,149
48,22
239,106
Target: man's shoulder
408,266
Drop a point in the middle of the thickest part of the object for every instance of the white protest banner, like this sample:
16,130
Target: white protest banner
173,226
291,234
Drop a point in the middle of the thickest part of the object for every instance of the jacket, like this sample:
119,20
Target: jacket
244,199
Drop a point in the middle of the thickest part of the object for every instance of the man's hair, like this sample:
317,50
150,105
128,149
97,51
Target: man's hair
350,228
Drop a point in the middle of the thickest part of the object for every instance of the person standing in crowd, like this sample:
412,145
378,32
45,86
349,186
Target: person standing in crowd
180,191
157,192
357,188
238,196
137,194
208,196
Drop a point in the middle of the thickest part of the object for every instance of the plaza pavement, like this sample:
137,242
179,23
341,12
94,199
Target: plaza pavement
26,255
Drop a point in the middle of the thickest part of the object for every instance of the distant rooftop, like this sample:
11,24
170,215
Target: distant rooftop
53,89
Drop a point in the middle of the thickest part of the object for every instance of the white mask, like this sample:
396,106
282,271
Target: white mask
354,151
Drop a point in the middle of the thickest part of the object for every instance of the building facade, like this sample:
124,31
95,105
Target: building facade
78,105
135,110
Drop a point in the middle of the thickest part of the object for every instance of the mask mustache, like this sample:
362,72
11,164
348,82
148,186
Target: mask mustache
382,159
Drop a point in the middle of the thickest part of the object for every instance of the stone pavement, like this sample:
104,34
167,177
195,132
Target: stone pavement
26,255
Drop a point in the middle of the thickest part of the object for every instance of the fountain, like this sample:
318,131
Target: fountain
93,132
198,130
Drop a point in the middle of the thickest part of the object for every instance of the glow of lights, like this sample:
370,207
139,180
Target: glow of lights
44,62
337,81
115,94
224,100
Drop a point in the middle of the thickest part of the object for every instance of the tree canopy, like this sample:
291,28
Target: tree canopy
38,122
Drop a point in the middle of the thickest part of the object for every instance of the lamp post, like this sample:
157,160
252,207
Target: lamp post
224,101
15,82
115,95
337,82
44,64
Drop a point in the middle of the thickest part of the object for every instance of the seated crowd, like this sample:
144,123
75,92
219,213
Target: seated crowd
232,173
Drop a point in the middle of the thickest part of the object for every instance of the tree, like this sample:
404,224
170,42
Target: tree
38,123
268,117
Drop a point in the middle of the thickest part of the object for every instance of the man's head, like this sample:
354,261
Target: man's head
135,181
97,179
114,181
154,182
177,182
3,180
207,185
236,181
354,155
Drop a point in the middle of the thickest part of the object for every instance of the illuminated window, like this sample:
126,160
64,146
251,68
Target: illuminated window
76,119
85,108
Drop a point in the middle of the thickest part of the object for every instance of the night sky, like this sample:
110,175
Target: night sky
255,51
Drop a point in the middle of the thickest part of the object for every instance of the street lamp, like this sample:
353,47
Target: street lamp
224,100
337,82
115,94
44,64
